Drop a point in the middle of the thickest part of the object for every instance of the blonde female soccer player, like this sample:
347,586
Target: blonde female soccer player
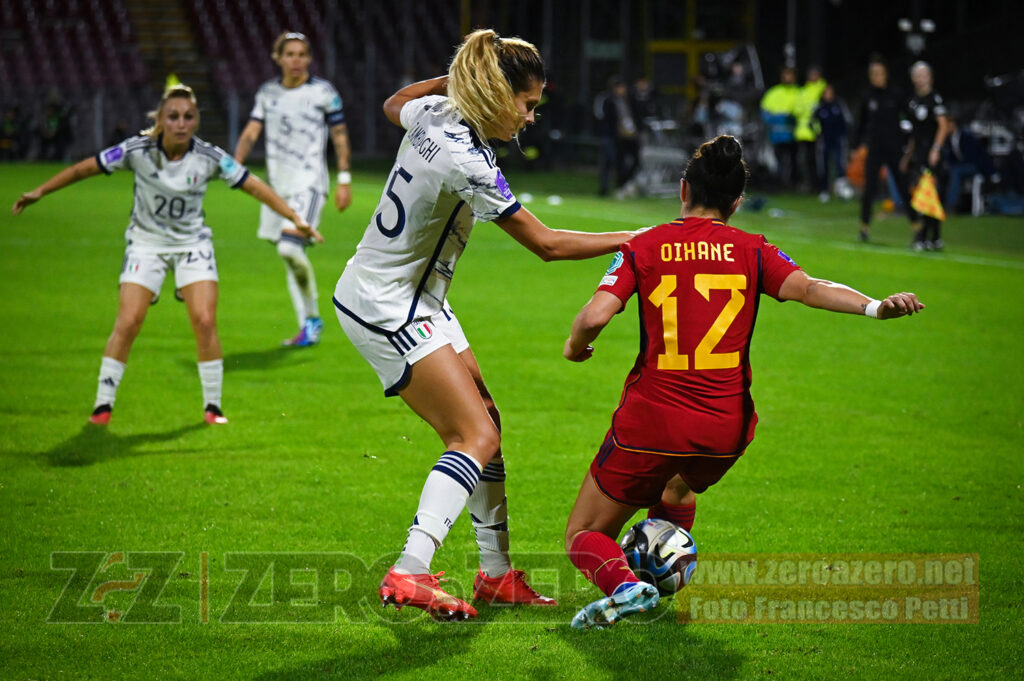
391,301
167,233
298,111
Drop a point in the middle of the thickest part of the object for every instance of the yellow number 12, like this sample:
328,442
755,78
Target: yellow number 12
704,356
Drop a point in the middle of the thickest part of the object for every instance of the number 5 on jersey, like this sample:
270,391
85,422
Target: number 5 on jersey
392,232
704,356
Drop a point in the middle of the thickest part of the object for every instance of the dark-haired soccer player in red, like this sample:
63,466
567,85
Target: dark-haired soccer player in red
686,414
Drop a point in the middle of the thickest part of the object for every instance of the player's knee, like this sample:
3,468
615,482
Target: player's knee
484,442
129,324
292,252
204,321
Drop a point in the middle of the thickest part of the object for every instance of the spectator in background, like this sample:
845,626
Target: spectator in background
621,148
930,127
965,157
12,135
878,129
830,115
778,107
807,130
55,132
643,99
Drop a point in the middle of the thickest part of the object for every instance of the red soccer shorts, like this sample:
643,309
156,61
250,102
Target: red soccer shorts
638,478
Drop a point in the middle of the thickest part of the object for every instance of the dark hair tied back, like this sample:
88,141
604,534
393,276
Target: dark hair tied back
717,174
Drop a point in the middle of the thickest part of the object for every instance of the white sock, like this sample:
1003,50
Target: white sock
211,375
448,486
301,280
488,508
111,373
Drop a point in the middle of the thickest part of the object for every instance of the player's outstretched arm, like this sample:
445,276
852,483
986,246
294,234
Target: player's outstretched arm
262,192
79,171
559,244
247,140
588,324
393,104
343,192
828,295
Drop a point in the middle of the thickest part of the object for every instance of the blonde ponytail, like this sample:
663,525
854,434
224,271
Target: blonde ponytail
484,77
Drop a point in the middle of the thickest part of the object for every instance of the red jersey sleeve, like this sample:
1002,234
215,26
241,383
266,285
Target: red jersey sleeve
775,267
620,279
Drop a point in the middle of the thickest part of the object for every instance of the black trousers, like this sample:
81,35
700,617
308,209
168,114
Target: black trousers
888,156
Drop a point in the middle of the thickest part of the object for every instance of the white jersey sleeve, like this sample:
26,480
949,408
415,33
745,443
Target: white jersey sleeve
259,106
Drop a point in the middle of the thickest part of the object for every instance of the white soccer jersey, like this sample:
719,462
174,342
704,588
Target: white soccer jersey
443,180
296,121
167,213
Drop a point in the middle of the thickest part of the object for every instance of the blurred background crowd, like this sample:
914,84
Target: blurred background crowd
634,85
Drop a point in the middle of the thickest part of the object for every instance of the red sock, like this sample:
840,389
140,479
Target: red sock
680,515
601,561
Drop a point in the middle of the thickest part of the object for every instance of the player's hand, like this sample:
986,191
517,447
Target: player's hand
309,232
933,158
581,356
343,196
898,305
25,200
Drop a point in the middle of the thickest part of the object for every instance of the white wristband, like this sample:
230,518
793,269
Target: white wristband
872,308
344,177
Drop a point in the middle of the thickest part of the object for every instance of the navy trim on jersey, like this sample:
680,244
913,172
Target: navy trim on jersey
402,382
365,325
99,162
433,261
509,211
302,241
258,120
241,181
334,118
314,206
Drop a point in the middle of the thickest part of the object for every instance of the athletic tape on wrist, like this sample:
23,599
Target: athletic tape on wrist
344,177
872,308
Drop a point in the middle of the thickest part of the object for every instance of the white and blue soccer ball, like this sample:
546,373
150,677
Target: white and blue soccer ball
660,553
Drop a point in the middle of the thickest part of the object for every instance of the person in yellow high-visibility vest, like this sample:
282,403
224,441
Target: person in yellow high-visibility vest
807,128
778,108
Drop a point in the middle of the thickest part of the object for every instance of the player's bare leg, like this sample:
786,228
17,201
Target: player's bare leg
442,392
201,301
678,504
133,304
590,540
496,582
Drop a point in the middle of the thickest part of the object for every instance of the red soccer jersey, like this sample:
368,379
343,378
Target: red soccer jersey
698,282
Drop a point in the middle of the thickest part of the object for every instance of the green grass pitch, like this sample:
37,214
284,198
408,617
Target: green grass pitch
253,551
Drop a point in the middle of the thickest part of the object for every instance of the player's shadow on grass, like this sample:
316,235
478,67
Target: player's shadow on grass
94,444
260,359
663,645
423,645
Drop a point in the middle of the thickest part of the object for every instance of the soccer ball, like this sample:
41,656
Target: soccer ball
660,553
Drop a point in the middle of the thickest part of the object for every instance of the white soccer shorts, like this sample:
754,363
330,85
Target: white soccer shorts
309,204
149,269
392,355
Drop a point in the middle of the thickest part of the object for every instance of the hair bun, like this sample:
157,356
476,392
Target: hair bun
724,154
